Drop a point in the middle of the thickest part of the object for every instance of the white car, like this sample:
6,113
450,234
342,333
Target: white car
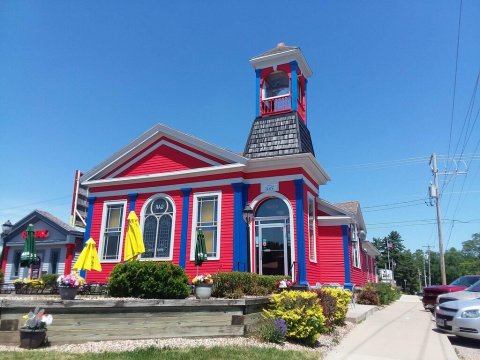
472,292
459,317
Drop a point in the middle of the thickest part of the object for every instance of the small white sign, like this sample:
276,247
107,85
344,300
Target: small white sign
269,187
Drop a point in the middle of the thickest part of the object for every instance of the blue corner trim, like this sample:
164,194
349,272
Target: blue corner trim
300,226
258,73
88,227
239,229
294,67
346,254
133,200
185,216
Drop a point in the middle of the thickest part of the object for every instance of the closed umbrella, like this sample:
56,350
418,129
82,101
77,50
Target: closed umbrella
134,240
88,259
200,249
29,254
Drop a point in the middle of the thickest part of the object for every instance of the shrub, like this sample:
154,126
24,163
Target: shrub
368,296
274,330
302,313
1,277
387,293
49,279
328,302
148,280
343,299
237,284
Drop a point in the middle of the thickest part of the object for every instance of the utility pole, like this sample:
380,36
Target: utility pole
436,195
424,271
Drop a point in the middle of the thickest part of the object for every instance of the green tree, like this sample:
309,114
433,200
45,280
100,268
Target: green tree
406,272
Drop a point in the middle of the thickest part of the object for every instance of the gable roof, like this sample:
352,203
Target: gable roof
159,130
353,207
46,217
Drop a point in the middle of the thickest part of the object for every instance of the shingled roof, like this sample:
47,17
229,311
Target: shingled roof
353,207
277,135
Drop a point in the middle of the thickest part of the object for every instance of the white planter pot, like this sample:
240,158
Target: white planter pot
203,291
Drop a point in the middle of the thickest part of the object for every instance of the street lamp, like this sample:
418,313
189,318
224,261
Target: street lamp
6,228
247,214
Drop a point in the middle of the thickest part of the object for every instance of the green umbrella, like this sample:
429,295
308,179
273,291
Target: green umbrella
29,254
200,249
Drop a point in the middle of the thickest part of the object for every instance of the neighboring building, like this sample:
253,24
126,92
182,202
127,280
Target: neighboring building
57,244
178,184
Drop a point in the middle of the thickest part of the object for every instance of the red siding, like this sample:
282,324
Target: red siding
330,254
161,160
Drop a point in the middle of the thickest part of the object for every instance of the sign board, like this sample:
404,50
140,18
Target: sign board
78,214
36,273
385,275
269,187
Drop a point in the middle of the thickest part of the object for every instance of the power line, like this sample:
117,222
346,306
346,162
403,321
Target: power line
455,77
394,203
35,203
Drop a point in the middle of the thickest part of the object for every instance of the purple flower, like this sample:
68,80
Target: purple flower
281,326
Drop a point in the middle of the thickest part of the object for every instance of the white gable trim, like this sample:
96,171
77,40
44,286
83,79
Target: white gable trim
156,146
151,136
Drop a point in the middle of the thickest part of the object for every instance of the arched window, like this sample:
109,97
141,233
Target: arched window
276,84
272,207
158,229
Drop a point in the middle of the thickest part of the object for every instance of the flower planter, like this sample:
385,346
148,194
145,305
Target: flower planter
67,293
32,339
203,291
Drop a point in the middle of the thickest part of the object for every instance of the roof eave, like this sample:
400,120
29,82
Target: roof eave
261,62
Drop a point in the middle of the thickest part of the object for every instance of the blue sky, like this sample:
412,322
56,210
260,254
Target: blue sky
81,79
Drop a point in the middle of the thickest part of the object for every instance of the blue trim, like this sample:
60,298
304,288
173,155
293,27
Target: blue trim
294,75
258,73
88,227
300,225
183,238
133,200
306,100
240,254
346,255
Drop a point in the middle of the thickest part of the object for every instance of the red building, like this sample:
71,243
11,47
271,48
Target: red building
178,184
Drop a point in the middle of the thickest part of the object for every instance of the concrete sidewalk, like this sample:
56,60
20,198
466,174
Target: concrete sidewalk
403,330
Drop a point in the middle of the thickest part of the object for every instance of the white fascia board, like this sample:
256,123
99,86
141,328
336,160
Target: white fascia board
334,220
331,209
266,61
370,248
212,170
152,135
305,160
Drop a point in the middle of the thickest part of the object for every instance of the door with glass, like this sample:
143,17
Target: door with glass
272,250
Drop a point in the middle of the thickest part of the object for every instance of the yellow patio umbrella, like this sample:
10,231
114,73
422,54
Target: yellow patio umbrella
134,240
88,259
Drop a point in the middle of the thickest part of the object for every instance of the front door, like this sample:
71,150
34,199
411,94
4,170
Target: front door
272,250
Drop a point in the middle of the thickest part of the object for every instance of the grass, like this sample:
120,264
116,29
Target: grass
198,353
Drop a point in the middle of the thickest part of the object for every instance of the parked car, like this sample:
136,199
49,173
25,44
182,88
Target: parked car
459,317
472,292
430,293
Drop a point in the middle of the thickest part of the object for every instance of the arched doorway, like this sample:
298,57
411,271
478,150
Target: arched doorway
272,237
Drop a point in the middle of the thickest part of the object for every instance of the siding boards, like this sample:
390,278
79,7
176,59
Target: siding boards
330,253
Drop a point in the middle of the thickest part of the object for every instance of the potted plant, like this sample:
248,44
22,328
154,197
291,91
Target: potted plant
34,333
203,286
68,285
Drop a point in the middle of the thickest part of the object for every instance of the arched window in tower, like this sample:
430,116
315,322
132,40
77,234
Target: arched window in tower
276,84
158,229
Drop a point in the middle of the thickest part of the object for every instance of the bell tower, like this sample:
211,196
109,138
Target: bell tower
280,126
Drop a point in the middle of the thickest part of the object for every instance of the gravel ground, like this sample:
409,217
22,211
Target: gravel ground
466,349
325,344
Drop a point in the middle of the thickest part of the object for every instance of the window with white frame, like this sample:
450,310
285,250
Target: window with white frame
206,214
312,244
112,230
355,246
158,229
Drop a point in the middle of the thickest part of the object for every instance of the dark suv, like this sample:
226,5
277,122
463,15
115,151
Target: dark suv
430,293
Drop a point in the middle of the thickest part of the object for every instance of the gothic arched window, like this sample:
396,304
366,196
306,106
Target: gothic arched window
158,229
